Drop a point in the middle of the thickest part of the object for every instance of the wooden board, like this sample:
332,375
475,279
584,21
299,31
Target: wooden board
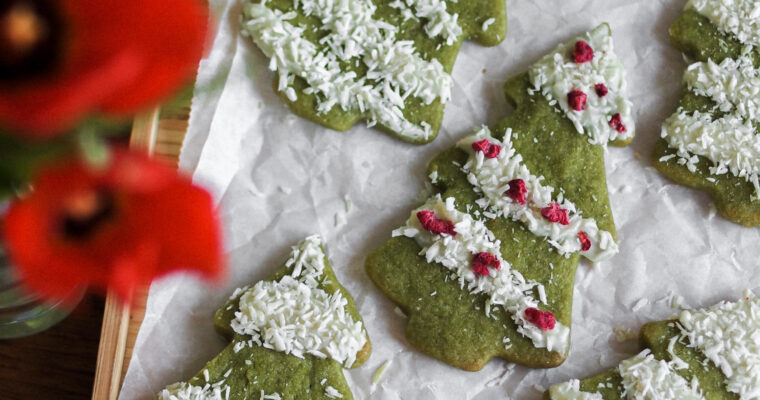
159,132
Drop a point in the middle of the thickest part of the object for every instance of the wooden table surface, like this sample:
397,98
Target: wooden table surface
58,364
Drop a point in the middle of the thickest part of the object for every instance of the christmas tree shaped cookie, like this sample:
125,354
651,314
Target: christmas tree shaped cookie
707,354
485,267
710,143
386,62
291,336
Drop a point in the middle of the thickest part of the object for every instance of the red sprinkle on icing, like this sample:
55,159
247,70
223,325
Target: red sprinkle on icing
577,100
517,191
582,52
489,149
481,262
585,241
601,89
542,319
617,123
555,214
434,225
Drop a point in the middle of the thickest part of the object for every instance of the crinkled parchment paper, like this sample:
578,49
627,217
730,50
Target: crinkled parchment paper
279,178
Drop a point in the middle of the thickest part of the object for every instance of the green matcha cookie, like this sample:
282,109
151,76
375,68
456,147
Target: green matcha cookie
485,268
707,354
711,142
386,62
291,336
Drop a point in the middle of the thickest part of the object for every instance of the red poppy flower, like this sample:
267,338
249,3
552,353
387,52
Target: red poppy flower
63,59
116,227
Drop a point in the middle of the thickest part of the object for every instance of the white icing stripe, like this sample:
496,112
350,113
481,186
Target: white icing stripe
729,142
556,75
728,334
294,316
506,287
439,21
491,177
733,84
186,391
571,390
738,17
394,70
645,378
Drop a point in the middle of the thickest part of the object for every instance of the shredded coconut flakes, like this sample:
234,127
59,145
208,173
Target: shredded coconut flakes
296,317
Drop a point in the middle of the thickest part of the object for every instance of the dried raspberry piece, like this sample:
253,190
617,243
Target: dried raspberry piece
617,123
585,241
555,214
517,191
577,100
483,260
601,89
489,149
582,52
434,225
544,320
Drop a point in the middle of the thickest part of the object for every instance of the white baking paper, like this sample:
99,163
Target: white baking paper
279,178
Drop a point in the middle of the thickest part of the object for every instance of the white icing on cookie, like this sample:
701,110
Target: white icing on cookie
729,142
296,317
728,334
186,391
557,74
491,177
740,18
395,71
645,378
734,85
439,21
506,287
571,390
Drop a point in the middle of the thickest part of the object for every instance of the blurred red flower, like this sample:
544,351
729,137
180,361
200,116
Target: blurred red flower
116,227
63,59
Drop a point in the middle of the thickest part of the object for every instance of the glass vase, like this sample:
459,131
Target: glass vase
21,313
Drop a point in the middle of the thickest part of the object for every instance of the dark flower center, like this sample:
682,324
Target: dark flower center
85,213
31,33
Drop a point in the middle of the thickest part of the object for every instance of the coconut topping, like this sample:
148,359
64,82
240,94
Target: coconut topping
498,180
729,142
734,85
728,334
186,391
576,68
439,21
646,378
571,390
740,18
394,69
505,286
295,316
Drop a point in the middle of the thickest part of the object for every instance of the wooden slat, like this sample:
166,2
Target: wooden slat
136,316
113,335
145,130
